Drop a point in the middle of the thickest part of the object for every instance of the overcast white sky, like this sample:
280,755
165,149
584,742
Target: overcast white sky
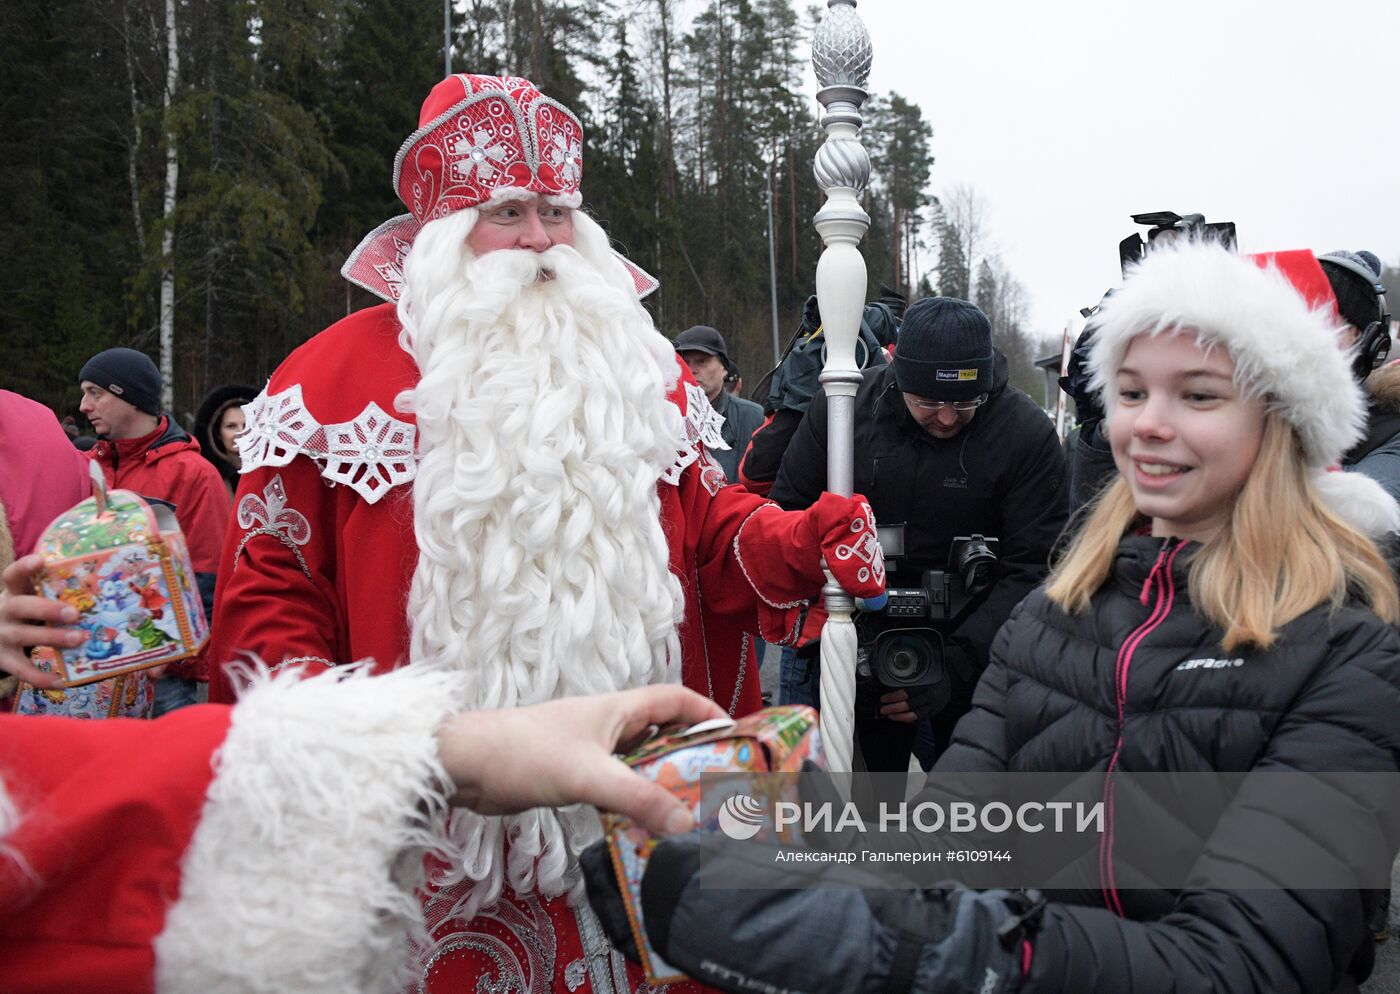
1280,115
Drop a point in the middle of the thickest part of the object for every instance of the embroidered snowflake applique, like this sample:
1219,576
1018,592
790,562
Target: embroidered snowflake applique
278,428
478,154
567,157
703,423
391,270
372,454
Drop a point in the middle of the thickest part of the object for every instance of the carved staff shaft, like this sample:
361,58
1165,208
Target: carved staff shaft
841,56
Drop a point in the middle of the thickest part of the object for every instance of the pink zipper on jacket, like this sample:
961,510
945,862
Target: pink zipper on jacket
1160,577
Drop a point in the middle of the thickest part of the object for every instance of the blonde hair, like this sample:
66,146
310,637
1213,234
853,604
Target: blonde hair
1282,553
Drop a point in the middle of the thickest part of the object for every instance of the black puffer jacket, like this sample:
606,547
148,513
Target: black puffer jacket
1000,476
1326,698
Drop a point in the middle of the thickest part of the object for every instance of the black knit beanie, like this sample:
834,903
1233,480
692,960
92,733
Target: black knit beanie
127,373
1356,293
944,350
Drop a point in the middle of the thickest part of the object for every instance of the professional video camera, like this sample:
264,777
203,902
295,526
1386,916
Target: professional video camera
1169,225
902,644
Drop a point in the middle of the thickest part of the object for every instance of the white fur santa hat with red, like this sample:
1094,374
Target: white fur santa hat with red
1276,315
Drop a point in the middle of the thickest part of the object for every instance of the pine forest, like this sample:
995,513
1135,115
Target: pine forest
187,176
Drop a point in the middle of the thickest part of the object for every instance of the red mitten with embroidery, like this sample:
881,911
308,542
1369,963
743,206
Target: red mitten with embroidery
845,529
782,551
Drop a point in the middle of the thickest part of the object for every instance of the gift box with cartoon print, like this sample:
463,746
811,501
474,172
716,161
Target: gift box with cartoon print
122,563
781,739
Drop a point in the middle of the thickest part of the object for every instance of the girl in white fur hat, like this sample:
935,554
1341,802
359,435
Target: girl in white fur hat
1223,610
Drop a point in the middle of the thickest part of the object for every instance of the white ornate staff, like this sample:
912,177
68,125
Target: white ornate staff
841,56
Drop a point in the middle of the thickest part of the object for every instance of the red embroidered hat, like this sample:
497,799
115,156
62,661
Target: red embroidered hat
477,136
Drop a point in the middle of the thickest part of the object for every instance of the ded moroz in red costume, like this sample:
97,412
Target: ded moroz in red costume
503,473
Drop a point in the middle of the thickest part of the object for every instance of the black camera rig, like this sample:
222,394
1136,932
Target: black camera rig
1167,225
902,644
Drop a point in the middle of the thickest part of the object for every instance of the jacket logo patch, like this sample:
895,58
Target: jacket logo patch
955,483
1210,664
955,374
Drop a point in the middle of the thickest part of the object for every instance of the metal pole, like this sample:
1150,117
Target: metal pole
772,267
446,38
841,56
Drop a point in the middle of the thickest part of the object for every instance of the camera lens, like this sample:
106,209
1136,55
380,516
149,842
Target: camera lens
905,661
904,658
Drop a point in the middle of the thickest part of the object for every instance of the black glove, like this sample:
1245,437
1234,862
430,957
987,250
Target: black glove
927,699
940,941
924,700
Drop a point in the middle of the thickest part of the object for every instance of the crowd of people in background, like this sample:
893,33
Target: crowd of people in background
506,476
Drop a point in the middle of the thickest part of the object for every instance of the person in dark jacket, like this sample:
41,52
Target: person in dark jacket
945,446
787,390
1355,278
1089,459
1224,610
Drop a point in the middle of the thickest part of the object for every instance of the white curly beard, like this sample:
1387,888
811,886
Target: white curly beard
543,570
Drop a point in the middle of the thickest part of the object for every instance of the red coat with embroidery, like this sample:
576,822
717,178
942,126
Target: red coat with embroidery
318,565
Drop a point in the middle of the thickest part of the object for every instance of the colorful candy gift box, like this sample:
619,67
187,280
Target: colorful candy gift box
774,740
121,561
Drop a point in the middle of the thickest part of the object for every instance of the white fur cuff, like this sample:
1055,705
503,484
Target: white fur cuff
1359,501
302,872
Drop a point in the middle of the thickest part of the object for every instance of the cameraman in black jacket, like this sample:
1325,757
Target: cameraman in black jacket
947,447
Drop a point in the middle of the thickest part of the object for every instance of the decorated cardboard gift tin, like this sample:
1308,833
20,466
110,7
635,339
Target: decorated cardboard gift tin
123,564
774,740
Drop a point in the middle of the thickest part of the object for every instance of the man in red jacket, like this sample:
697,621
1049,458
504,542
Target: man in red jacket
142,450
504,471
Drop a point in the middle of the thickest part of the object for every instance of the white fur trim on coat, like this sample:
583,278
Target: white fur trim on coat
1281,348
9,821
1359,501
301,874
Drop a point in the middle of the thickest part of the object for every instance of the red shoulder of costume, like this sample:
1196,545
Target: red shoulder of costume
334,400
354,361
677,395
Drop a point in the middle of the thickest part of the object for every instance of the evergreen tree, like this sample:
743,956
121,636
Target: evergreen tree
898,138
623,168
287,119
391,57
63,168
954,278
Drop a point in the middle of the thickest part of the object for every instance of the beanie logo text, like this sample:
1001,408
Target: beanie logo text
955,374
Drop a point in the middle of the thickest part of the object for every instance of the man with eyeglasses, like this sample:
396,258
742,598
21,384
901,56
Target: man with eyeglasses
945,446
